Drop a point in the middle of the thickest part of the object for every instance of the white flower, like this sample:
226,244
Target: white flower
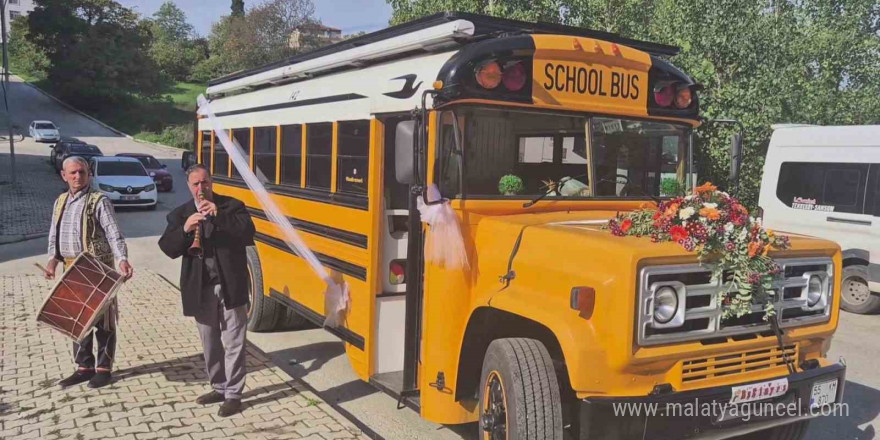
710,205
690,197
742,235
728,228
686,213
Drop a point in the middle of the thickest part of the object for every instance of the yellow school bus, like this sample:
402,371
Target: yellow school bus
535,135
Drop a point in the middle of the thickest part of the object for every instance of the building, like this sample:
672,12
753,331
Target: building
15,9
314,35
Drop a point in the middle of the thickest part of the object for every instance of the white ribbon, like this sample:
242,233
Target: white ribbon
445,245
336,297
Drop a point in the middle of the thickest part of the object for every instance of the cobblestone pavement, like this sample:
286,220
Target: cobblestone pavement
159,373
26,207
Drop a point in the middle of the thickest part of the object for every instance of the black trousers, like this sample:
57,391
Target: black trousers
105,333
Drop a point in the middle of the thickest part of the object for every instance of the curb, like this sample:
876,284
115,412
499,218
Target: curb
7,239
93,119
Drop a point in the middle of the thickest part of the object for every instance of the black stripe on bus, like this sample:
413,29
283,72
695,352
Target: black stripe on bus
341,235
303,103
300,308
334,263
338,199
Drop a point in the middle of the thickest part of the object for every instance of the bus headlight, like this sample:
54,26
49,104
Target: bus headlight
815,290
665,304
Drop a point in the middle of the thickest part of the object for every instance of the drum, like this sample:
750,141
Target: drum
80,297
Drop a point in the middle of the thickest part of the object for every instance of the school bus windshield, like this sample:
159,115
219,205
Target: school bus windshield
557,155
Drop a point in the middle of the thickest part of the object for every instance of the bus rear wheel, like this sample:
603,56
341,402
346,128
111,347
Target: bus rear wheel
262,312
792,431
855,295
519,392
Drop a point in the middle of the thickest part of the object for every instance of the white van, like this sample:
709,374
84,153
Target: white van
825,182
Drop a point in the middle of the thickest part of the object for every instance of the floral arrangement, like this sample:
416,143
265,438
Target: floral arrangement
721,231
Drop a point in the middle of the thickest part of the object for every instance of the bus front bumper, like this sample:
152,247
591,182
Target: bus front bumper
705,413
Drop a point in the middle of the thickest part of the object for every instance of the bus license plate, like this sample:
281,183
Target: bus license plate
824,393
130,197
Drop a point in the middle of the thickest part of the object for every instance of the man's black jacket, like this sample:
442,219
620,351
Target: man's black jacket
229,233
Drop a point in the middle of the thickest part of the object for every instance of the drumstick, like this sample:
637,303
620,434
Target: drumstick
42,269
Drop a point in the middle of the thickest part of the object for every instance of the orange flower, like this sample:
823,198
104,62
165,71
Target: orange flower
706,187
710,213
671,210
625,225
755,248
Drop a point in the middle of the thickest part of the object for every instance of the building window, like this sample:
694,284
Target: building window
243,137
13,2
319,148
13,15
291,155
265,151
206,149
353,157
829,187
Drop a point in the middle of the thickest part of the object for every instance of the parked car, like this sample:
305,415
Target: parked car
124,180
156,170
188,159
825,182
62,150
44,131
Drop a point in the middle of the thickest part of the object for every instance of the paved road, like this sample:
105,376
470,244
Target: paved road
319,359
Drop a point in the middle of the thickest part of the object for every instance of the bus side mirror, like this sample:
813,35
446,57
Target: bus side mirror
736,149
404,152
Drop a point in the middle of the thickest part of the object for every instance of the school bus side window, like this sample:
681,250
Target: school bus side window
265,150
319,155
221,160
291,154
353,157
243,136
206,149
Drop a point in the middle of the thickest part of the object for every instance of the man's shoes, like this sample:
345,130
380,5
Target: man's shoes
209,398
229,407
101,378
78,377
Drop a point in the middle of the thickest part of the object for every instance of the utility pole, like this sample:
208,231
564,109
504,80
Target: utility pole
5,80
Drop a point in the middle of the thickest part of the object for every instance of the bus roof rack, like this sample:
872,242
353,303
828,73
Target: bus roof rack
484,27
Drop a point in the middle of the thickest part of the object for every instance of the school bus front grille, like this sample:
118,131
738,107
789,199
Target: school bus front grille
731,364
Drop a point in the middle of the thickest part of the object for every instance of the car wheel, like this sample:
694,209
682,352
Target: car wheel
519,393
855,295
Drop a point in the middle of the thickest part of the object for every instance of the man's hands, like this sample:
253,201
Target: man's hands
193,221
126,269
207,207
50,269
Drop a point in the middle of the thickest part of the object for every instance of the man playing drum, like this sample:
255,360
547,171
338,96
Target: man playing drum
83,221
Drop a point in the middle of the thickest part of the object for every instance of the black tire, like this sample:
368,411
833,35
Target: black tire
263,312
855,296
518,384
791,431
290,320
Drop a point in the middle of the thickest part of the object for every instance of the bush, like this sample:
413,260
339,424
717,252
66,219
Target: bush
178,136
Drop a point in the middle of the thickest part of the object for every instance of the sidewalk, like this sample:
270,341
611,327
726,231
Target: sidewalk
159,373
26,206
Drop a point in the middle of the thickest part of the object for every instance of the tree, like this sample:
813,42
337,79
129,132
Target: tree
812,61
173,46
24,56
261,36
97,51
238,8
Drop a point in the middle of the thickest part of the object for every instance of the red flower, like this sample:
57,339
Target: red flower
678,233
625,225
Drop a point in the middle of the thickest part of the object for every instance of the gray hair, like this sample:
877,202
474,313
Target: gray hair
197,167
75,159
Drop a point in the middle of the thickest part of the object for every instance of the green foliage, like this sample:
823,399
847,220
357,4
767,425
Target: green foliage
237,8
25,58
179,136
510,185
813,61
97,51
671,187
173,46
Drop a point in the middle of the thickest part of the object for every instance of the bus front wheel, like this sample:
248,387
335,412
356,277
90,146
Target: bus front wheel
519,393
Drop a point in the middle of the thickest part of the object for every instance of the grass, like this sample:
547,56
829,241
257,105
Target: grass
166,120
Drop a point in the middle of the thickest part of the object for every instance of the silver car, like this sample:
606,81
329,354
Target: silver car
44,131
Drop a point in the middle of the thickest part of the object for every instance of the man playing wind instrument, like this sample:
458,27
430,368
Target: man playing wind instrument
83,220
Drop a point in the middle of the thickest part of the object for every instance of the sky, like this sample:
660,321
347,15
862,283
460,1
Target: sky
351,16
